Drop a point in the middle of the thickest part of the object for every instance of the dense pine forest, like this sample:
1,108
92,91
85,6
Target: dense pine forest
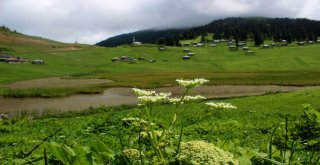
258,29
239,29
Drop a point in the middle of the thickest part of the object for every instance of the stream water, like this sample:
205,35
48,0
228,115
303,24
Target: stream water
124,96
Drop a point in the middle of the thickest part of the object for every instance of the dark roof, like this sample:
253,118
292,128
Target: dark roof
5,55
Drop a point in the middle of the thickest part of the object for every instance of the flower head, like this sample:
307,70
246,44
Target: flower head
186,99
133,155
192,83
154,98
220,105
200,152
141,92
135,121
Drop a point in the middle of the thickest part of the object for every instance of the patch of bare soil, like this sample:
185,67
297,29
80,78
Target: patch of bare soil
219,91
55,82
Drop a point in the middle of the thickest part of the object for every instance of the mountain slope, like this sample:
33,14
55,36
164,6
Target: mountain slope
144,36
255,28
11,37
259,28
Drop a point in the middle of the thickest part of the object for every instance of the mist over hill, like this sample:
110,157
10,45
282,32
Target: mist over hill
255,28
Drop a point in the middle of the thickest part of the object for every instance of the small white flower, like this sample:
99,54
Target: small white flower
192,83
141,92
174,100
193,98
135,121
154,99
222,105
186,99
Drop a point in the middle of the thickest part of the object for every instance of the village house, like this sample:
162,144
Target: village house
241,44
249,52
5,57
186,57
38,61
162,49
134,42
186,50
301,43
200,45
266,46
233,48
185,44
115,59
245,48
190,54
13,60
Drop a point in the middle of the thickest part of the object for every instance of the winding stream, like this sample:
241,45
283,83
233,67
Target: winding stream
124,96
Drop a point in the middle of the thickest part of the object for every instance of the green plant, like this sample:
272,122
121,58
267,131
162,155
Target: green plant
308,131
157,144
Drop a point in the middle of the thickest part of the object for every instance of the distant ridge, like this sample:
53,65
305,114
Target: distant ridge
144,36
255,28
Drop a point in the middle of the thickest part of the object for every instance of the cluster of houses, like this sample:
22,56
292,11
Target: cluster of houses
11,59
230,43
241,45
188,55
130,60
193,44
307,42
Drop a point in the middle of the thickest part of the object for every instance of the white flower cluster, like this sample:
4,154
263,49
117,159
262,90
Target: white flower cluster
154,99
141,92
135,121
186,99
192,83
200,152
220,105
150,97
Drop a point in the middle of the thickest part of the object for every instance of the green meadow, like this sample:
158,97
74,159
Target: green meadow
250,131
296,65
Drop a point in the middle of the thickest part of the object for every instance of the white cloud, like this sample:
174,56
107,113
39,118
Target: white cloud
91,21
310,9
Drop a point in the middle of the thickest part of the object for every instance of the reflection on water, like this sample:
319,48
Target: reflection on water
111,97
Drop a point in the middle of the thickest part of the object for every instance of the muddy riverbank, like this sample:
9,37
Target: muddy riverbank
55,82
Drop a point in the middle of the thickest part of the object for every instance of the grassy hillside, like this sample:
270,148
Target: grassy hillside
279,65
292,65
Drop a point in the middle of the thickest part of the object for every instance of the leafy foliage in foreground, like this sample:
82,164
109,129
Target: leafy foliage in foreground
245,132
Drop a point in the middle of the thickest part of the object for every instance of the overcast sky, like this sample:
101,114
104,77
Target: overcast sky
90,21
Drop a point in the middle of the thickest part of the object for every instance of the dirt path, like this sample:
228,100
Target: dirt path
121,96
55,82
219,91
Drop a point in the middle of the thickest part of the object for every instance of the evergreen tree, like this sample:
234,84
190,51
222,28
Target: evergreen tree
258,40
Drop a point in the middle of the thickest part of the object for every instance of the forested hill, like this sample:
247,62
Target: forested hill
144,36
240,29
259,29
